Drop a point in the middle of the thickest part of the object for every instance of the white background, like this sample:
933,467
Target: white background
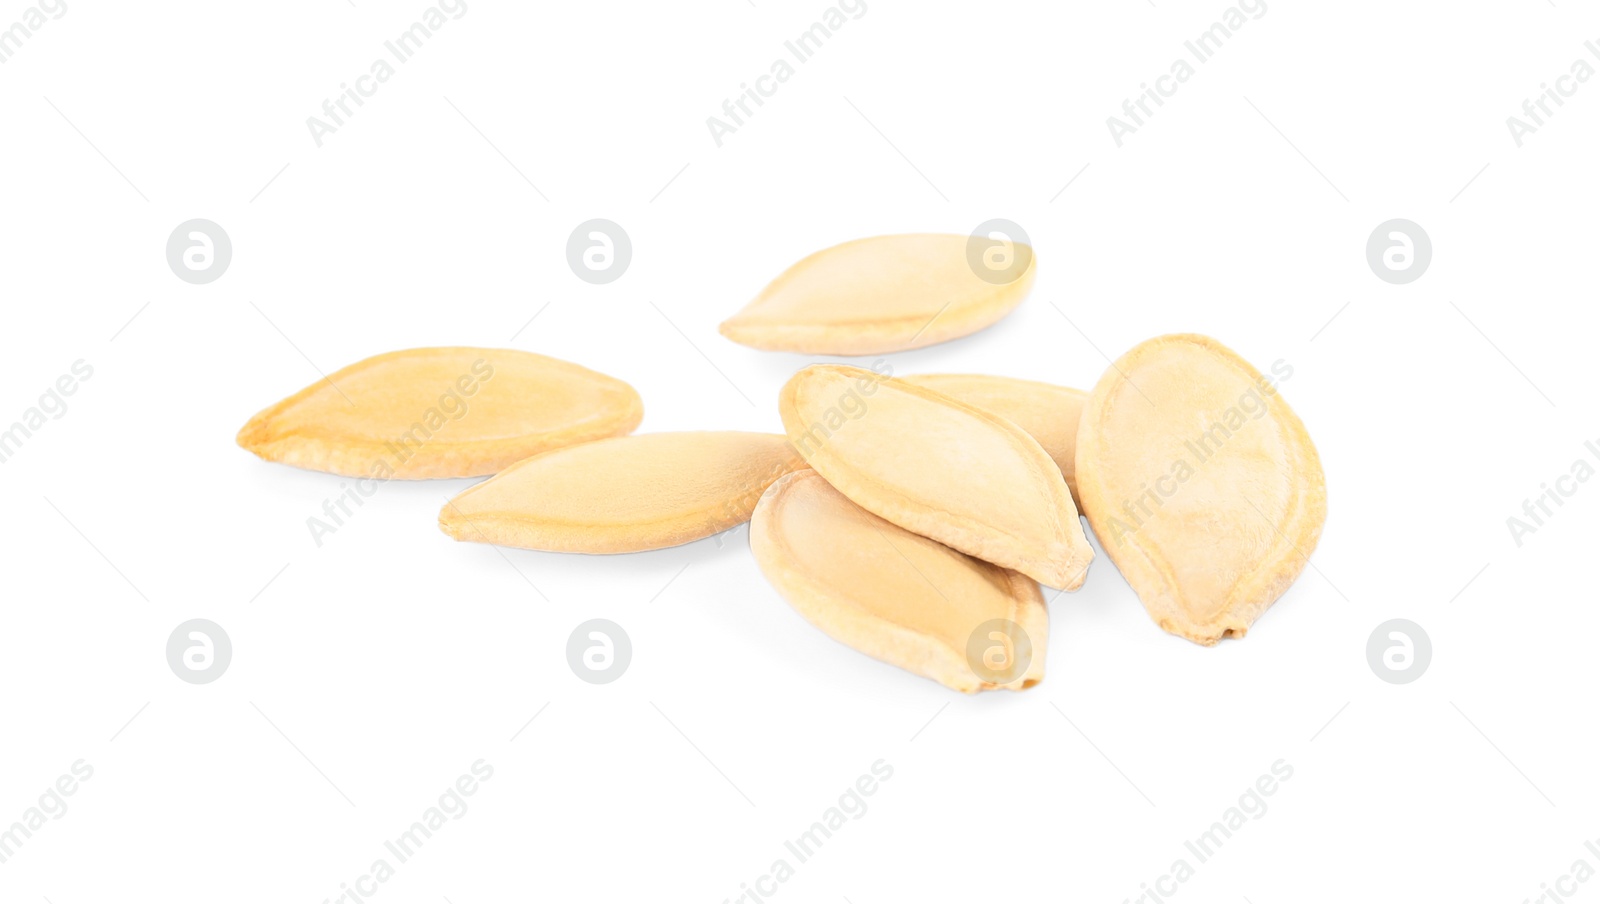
391,658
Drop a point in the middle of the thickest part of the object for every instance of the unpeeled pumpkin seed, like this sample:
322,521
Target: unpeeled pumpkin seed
1047,412
441,412
884,294
1201,483
938,467
895,595
626,494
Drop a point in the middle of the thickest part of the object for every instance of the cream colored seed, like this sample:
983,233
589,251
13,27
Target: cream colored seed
878,295
938,467
441,412
1201,483
627,494
897,596
1048,413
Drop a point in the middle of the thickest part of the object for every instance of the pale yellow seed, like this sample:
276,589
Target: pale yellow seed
895,595
441,412
1201,483
885,294
1048,413
626,494
938,467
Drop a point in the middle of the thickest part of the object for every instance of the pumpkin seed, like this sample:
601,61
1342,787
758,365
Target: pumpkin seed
897,596
938,467
625,494
1201,483
877,295
441,412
